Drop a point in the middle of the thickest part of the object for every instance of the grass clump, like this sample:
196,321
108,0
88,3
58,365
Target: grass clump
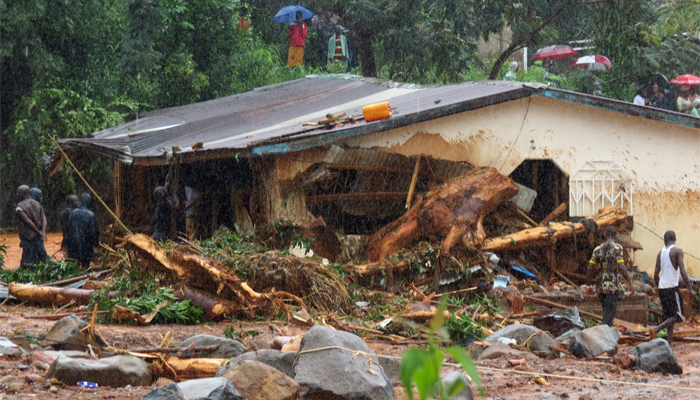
145,297
47,271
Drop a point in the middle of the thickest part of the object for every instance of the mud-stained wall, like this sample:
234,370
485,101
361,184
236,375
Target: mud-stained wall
273,195
661,158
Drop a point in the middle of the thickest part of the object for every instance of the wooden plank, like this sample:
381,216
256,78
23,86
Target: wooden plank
414,180
175,187
523,214
567,280
377,168
355,196
554,214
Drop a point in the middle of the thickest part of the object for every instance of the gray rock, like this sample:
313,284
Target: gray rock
257,381
276,359
334,374
209,389
499,350
538,341
10,349
595,341
228,348
171,391
456,376
656,356
392,368
68,334
117,371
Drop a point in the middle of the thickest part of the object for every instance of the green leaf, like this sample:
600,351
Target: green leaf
461,356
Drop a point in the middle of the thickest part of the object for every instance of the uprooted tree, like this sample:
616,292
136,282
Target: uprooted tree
454,213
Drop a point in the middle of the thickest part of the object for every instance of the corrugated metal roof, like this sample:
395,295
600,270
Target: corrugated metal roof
269,119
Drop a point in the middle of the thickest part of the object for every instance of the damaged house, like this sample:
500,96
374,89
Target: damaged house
261,157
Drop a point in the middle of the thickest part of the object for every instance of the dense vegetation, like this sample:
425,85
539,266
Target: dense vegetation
70,68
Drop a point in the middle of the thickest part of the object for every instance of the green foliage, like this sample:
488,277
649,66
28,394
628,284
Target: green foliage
421,367
231,333
45,272
289,235
224,242
462,328
145,297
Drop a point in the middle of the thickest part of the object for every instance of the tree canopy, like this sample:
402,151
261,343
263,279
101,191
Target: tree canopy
70,68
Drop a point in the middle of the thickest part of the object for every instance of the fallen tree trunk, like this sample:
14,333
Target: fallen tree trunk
454,212
187,270
545,235
180,370
50,296
213,307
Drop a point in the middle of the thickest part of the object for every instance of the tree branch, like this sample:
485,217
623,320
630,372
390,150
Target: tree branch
525,39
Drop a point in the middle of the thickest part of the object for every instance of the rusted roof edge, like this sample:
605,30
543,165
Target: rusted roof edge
618,106
292,144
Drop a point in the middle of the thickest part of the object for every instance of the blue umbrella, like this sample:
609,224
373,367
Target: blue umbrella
288,15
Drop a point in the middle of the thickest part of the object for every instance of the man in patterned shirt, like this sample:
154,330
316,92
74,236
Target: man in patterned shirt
607,265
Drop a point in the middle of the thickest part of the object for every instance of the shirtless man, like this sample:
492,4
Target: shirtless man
670,263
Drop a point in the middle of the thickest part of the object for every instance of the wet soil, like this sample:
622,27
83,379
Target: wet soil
498,384
14,252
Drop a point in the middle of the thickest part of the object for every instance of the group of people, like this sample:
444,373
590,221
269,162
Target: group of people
297,34
607,269
686,101
81,232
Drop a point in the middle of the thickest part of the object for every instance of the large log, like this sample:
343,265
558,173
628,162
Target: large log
180,370
188,270
546,235
455,212
50,296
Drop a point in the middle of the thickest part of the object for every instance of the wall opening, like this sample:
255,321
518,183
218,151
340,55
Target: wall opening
548,180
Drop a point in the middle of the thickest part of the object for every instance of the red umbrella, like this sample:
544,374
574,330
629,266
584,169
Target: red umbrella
593,63
554,53
686,80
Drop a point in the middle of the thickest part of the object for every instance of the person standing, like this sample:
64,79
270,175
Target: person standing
32,228
162,217
296,34
338,48
72,203
684,101
607,265
641,98
192,212
83,233
696,105
669,262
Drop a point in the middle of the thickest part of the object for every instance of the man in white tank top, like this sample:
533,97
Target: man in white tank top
670,264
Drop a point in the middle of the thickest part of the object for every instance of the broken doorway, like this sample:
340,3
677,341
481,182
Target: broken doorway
548,180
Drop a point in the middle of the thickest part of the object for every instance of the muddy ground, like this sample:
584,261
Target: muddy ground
498,385
19,319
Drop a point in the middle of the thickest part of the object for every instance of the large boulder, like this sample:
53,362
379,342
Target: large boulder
228,348
656,356
336,374
453,377
68,333
196,389
257,381
281,361
538,341
595,341
117,371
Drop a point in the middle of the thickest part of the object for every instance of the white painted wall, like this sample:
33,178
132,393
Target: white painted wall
661,158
